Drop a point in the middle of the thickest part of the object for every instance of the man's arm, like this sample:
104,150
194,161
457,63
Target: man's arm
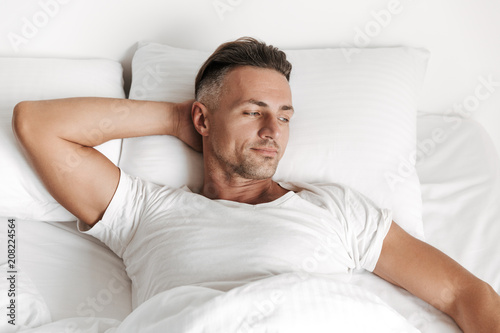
436,278
58,137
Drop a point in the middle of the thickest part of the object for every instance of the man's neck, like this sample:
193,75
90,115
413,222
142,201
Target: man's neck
242,190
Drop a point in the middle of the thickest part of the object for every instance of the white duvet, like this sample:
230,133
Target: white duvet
283,303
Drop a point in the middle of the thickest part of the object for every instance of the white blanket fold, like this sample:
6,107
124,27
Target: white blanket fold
283,303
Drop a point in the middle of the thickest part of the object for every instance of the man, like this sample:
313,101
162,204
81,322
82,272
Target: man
243,226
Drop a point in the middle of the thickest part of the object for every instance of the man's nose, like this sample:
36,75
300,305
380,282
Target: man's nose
270,128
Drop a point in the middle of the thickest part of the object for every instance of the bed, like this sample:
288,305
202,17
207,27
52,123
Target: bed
357,123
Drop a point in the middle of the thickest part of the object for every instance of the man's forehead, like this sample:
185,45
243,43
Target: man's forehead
262,87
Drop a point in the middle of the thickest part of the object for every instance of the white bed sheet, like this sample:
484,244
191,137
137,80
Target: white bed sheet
79,278
459,172
460,181
74,274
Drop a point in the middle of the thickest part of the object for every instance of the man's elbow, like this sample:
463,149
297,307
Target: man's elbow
22,121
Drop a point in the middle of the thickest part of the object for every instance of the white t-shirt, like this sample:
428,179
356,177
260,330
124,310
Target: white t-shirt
170,237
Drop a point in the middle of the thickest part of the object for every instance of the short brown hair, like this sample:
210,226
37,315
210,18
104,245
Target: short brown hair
245,51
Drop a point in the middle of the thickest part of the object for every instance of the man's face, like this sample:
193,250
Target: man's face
249,131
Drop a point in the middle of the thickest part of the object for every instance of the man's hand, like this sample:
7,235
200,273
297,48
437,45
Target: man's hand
437,279
184,128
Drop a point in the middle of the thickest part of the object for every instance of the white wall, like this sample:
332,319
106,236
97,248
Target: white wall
461,35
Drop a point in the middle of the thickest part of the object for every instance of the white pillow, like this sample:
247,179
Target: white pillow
354,122
22,194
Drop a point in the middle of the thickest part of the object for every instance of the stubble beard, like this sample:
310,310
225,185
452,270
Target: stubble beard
247,166
255,170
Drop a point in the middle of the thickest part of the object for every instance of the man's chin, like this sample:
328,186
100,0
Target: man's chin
257,172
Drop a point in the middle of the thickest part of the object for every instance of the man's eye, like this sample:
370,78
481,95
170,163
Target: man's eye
252,113
284,119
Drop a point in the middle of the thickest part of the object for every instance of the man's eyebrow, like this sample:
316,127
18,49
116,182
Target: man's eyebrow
264,104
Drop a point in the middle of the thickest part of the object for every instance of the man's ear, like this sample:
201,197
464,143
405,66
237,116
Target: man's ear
199,113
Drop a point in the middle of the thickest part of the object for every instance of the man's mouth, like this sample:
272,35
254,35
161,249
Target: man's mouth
266,151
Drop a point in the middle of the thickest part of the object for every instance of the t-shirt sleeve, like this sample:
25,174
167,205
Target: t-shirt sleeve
369,229
123,214
364,225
